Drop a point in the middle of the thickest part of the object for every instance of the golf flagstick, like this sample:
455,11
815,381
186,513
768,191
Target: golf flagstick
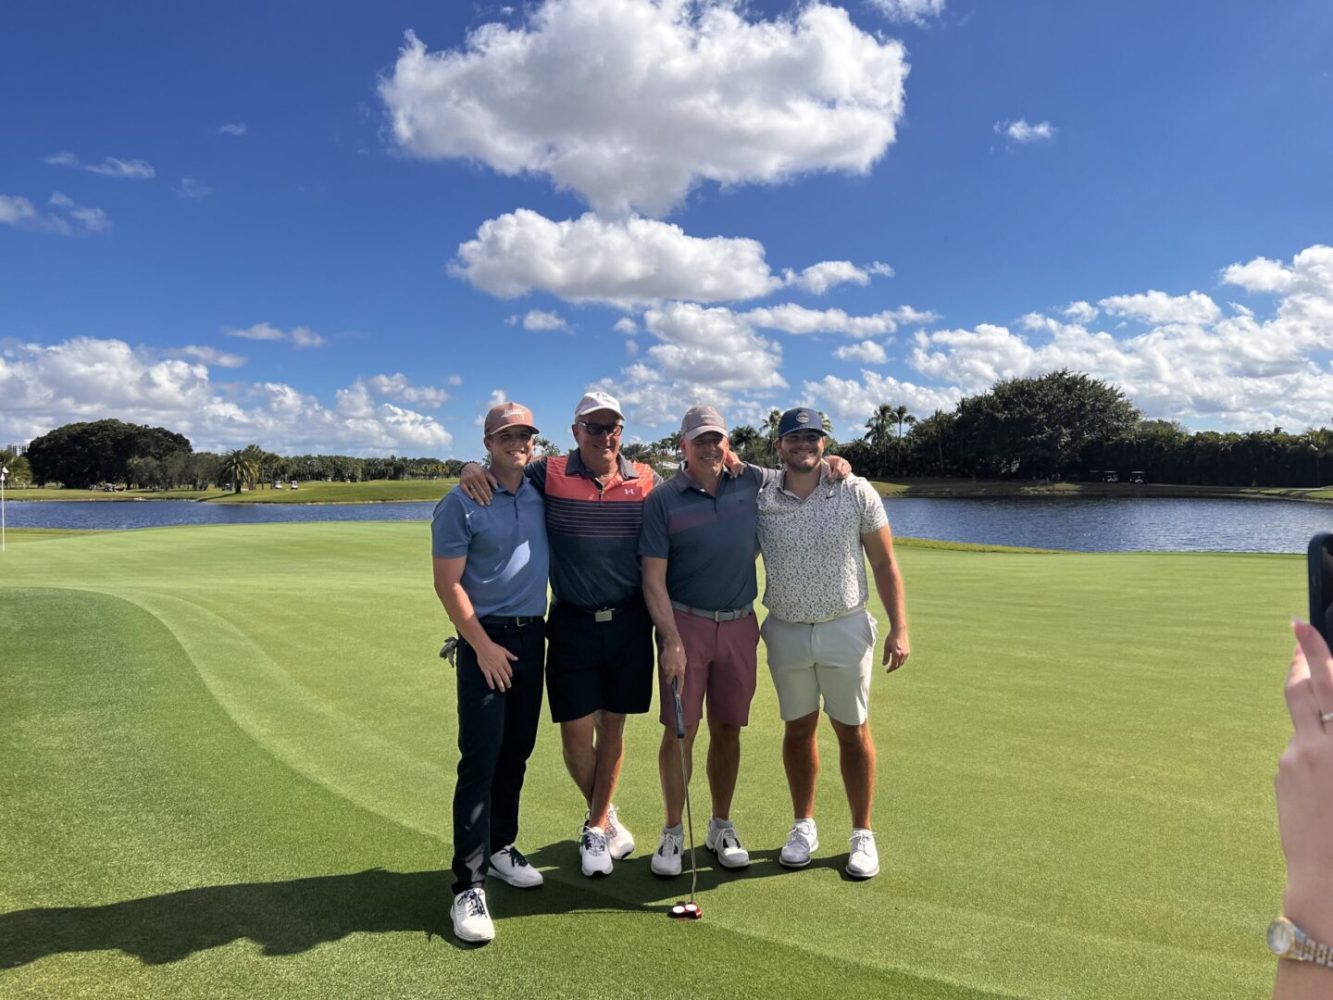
690,910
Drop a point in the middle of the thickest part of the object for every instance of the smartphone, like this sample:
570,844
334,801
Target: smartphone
1320,564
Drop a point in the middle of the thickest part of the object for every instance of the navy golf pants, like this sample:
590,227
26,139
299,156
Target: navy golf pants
496,733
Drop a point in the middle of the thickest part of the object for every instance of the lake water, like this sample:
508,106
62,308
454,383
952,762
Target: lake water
1084,524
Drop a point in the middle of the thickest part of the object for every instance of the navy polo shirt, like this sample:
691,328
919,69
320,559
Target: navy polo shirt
505,543
709,542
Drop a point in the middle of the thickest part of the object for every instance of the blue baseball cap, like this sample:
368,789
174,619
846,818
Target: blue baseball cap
801,418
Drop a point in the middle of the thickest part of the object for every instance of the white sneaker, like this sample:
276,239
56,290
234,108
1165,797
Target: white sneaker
619,841
472,921
509,865
666,859
593,854
864,859
801,842
723,842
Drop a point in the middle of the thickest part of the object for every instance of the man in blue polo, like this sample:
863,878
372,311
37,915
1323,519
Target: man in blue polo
491,564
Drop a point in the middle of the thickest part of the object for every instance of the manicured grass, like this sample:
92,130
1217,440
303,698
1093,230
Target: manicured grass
228,753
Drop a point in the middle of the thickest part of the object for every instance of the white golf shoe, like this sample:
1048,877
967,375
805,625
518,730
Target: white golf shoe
509,865
666,859
723,842
801,843
593,855
472,921
863,862
619,841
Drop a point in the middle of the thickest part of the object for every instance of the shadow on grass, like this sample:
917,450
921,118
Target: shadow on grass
286,918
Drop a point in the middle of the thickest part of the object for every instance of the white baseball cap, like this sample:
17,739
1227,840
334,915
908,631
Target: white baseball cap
594,401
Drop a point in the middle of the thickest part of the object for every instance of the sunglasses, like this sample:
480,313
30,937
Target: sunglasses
597,430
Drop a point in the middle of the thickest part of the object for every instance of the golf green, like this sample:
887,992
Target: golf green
228,752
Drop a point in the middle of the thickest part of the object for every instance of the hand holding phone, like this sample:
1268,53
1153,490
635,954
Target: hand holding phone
1320,569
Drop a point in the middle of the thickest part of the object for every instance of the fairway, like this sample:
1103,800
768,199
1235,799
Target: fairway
228,759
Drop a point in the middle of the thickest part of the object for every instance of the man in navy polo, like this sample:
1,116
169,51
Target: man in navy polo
491,564
698,548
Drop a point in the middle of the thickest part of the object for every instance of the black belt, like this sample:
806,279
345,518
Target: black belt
509,621
599,614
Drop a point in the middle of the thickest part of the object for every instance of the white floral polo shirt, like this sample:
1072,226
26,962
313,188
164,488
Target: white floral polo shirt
813,558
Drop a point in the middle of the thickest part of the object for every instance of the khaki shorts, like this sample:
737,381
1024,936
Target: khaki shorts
831,659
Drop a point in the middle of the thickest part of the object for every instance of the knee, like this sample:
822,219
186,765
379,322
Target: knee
802,728
852,737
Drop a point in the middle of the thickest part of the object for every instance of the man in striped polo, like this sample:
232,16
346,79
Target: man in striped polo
599,660
815,535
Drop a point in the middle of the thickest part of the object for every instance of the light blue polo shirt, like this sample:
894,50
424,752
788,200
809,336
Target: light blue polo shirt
505,543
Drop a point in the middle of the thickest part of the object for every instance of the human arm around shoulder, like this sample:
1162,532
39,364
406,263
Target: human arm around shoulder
1304,786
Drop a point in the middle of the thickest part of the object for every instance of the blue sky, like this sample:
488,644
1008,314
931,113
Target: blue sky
349,228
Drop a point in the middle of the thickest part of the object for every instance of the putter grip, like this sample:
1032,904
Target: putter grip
680,710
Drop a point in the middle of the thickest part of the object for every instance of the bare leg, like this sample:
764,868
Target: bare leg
668,769
580,755
724,764
856,754
800,756
608,755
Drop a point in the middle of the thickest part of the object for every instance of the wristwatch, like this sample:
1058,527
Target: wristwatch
1286,940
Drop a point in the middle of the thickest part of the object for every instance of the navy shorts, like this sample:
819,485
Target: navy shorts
592,665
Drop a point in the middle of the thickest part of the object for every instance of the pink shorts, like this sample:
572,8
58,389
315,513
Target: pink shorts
720,664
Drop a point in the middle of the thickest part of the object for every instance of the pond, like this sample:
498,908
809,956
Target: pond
1102,524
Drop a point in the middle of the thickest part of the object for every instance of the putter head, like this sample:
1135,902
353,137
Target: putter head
685,911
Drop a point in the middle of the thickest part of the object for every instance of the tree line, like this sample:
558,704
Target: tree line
1061,425
110,453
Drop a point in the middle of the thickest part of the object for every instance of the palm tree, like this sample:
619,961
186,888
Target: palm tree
240,468
903,417
879,432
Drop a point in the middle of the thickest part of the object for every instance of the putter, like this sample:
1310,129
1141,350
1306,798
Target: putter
689,910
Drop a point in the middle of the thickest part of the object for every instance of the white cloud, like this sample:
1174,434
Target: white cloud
1081,312
852,401
109,167
631,104
626,326
300,336
1259,275
1158,307
67,218
537,319
1193,364
233,128
819,278
909,11
635,261
260,331
397,386
191,187
303,336
89,379
455,380
1021,131
14,210
93,220
212,356
712,347
797,319
867,352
